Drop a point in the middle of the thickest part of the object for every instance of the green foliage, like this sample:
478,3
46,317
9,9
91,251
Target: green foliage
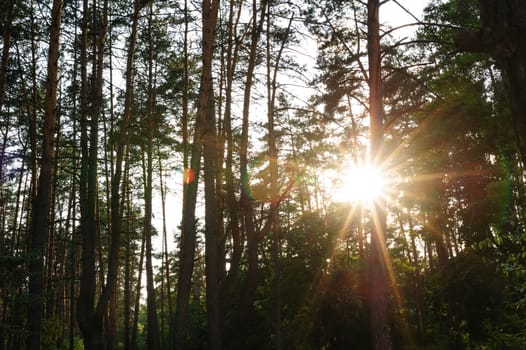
469,302
78,344
51,333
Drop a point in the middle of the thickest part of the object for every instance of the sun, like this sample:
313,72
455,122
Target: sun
359,184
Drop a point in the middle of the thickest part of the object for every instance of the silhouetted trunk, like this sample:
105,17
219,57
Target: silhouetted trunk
90,318
188,229
232,206
137,302
378,260
72,213
272,72
115,201
245,198
7,23
153,341
3,72
127,265
207,114
164,258
40,222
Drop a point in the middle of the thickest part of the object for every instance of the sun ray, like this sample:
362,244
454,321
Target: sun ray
359,184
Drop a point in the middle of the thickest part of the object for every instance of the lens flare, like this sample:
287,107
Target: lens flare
359,184
188,175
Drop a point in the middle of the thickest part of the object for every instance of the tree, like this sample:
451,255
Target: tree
41,220
378,260
501,35
153,336
210,148
8,23
188,221
90,316
245,199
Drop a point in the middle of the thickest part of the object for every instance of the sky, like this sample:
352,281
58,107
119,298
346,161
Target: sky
391,13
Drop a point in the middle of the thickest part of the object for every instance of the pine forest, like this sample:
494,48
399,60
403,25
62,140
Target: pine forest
262,174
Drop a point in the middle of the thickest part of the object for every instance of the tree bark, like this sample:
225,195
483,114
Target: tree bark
90,320
164,256
378,260
116,212
40,223
188,240
153,340
188,229
231,201
272,72
5,58
210,149
137,302
245,198
127,293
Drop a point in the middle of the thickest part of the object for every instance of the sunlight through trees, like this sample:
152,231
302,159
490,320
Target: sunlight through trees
262,175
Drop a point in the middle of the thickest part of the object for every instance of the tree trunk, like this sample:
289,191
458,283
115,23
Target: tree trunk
153,341
90,321
8,22
3,72
127,265
232,207
86,200
72,213
378,260
116,213
273,170
40,222
164,256
207,114
188,240
188,229
245,200
137,303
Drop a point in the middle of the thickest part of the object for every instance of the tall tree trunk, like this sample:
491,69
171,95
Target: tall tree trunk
245,200
188,229
127,264
86,199
3,72
32,109
188,239
186,87
137,303
152,334
210,148
7,23
273,169
378,260
72,212
232,206
164,257
90,320
116,213
111,328
52,254
40,223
